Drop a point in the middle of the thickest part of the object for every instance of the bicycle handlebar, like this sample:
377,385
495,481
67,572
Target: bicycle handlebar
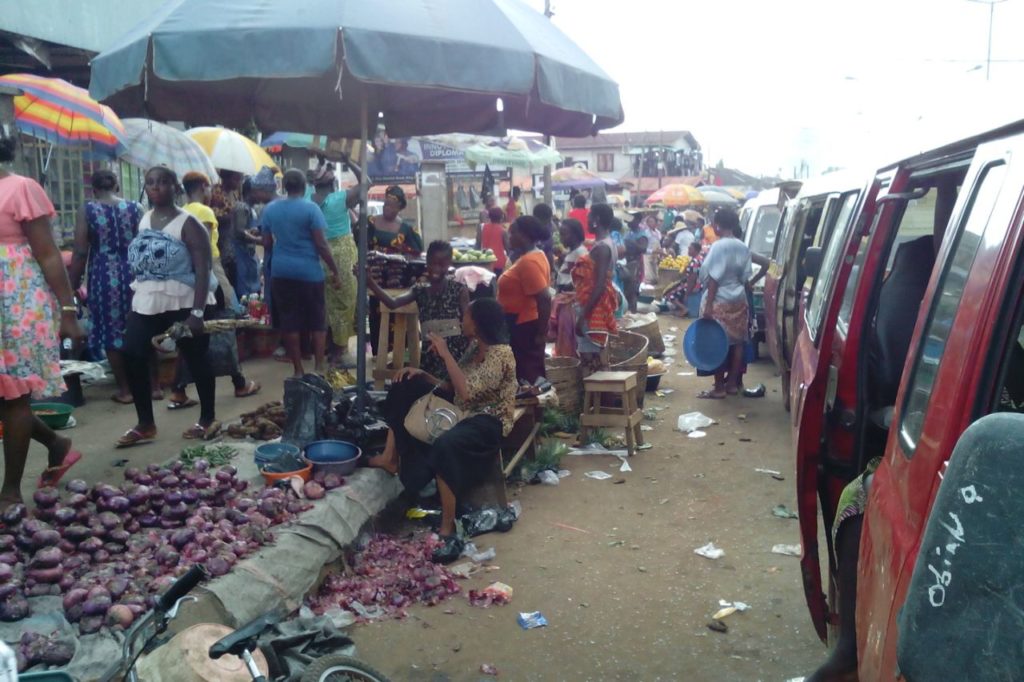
181,587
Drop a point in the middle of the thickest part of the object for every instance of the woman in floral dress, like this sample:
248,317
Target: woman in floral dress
32,275
105,227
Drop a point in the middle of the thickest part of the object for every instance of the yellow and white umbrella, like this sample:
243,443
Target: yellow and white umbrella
232,151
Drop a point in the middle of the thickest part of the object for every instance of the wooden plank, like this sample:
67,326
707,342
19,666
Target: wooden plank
522,450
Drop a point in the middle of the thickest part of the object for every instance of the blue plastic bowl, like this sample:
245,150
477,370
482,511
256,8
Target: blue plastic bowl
333,456
271,452
706,344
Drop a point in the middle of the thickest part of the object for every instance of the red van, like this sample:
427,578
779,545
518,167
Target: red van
912,332
808,221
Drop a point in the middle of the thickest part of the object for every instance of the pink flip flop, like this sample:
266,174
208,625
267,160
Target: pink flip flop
52,475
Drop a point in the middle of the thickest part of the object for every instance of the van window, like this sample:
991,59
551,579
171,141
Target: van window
830,265
945,304
764,227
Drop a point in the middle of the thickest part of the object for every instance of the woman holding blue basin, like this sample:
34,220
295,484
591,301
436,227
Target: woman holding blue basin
482,384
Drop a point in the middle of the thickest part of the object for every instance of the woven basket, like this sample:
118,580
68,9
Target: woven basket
652,331
567,378
627,352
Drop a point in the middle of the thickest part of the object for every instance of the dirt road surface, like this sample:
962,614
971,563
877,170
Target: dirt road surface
609,563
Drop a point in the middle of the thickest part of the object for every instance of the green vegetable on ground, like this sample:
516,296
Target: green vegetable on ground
216,455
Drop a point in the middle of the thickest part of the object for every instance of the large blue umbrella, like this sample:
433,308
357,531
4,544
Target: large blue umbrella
431,66
328,67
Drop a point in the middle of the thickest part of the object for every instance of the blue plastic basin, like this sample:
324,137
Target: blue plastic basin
271,452
706,344
333,456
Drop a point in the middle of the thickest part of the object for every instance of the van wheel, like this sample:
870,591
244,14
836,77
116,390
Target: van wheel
785,390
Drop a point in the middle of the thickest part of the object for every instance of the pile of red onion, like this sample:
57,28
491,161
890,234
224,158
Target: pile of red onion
387,577
108,550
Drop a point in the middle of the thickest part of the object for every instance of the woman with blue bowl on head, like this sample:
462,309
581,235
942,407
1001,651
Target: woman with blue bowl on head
724,274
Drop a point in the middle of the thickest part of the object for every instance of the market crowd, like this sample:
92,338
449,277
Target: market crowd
191,257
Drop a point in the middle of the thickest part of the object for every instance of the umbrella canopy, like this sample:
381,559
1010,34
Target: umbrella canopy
150,143
60,113
517,152
719,198
678,195
577,177
231,151
309,65
727,191
335,149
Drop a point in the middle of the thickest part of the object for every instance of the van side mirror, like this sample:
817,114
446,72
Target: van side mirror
812,261
965,588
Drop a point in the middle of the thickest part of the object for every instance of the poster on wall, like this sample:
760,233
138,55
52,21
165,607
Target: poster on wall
396,160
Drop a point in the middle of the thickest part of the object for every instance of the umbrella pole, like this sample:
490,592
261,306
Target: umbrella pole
361,245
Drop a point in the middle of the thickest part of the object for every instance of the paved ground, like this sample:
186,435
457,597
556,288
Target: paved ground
626,597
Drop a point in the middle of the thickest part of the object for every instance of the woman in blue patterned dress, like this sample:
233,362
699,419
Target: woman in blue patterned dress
103,230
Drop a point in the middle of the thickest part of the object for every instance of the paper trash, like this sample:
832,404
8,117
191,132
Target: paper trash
788,550
598,475
710,551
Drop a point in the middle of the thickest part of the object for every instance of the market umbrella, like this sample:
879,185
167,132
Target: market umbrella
718,198
678,195
515,152
231,151
577,177
332,67
727,191
150,143
60,113
332,148
310,66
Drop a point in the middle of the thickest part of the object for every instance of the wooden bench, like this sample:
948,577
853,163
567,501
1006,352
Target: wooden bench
521,442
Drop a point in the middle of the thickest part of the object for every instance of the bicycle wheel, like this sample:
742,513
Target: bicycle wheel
341,669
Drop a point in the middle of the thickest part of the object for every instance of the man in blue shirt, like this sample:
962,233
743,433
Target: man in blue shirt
293,232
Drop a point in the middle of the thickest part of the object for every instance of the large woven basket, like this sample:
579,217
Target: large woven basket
567,378
651,330
627,352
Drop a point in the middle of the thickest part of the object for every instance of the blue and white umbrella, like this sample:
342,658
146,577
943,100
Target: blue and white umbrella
150,143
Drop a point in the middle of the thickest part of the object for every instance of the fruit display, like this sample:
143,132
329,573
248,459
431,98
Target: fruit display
473,256
677,263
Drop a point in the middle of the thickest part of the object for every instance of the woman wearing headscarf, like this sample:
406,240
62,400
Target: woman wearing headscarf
104,228
341,302
33,283
725,273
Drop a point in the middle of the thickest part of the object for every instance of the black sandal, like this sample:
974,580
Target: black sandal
449,551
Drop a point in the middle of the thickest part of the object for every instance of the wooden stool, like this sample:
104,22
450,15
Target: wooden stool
407,335
628,417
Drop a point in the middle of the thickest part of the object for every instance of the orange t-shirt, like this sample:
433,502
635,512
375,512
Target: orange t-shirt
492,236
710,236
518,285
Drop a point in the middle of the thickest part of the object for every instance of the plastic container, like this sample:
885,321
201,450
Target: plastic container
652,381
706,344
271,478
271,452
333,456
54,415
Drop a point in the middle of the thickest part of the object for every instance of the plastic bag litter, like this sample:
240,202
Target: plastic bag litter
783,512
734,605
307,402
625,465
487,520
787,550
531,619
692,421
598,475
709,551
696,434
547,477
470,551
596,449
562,473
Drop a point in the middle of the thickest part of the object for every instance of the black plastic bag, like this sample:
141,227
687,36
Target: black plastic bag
307,402
487,520
222,356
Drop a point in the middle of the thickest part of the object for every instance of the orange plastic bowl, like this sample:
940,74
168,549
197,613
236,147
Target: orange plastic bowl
272,478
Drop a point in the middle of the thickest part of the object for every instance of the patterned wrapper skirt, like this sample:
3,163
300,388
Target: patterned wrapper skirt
29,339
341,303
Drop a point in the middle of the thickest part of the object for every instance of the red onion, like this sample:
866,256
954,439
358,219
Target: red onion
90,624
30,526
64,516
217,566
14,607
177,466
6,573
91,545
149,520
172,497
77,486
313,490
45,538
47,558
332,481
166,556
202,483
9,587
120,616
6,543
200,465
77,533
182,537
132,473
118,586
169,481
45,575
109,520
14,514
119,504
78,500
144,479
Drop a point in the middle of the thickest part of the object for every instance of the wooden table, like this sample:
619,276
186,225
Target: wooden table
407,336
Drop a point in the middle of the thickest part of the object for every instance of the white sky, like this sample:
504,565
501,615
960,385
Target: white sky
765,84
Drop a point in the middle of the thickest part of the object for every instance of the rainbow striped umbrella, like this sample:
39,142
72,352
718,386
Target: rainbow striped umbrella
60,113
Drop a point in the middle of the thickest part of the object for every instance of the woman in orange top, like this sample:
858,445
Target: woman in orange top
525,297
493,236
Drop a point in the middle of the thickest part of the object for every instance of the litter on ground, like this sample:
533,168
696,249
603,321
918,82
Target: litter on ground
787,550
709,551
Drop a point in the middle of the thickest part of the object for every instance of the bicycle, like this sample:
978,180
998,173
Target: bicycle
145,635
